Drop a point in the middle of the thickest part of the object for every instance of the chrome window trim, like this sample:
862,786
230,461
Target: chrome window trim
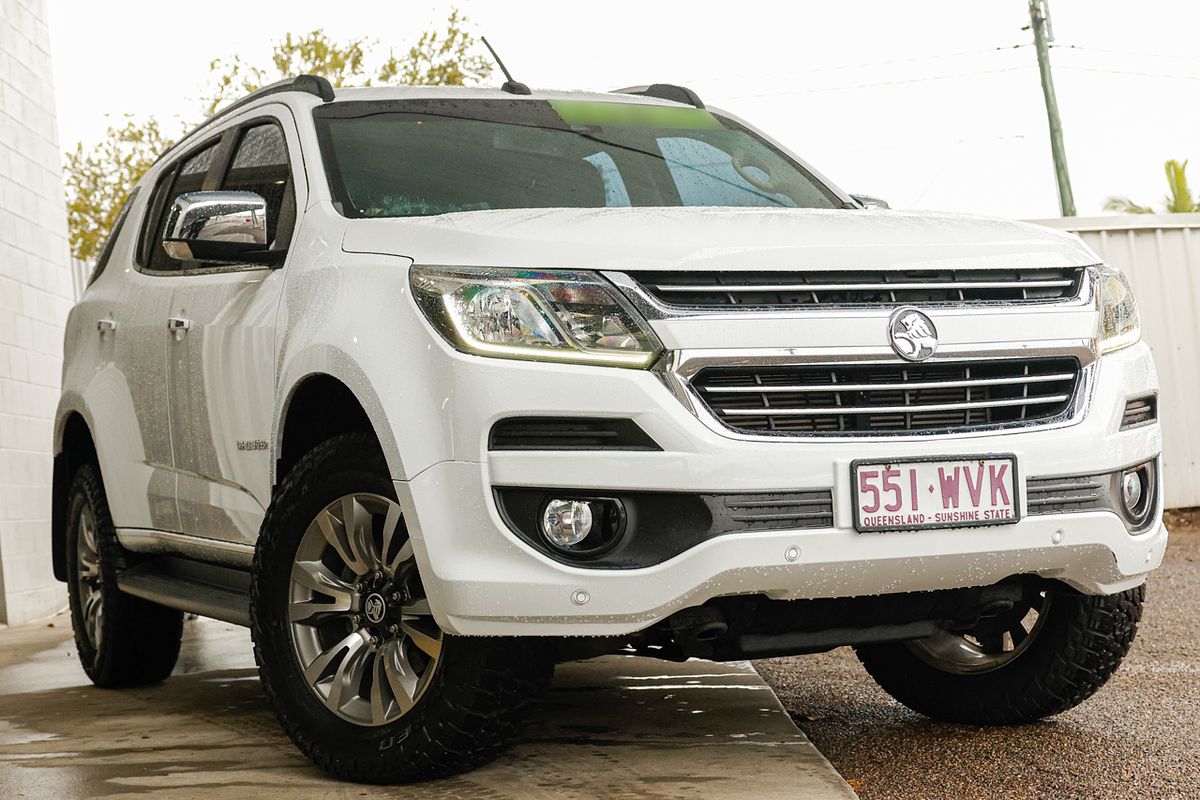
652,309
677,367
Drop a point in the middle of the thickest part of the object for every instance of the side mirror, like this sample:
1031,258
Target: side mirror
218,226
867,201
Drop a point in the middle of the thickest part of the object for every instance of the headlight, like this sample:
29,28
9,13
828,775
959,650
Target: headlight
1119,324
532,314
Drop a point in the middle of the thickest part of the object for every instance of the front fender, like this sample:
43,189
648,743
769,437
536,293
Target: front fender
353,321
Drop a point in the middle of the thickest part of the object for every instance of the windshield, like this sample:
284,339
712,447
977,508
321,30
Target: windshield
421,157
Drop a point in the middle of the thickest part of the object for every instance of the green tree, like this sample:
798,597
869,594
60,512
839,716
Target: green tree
313,53
1179,198
439,58
98,180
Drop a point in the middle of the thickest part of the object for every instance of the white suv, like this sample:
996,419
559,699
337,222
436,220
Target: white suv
434,387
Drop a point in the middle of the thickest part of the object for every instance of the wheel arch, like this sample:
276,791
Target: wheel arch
320,405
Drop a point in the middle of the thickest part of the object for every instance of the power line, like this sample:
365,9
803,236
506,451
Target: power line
868,64
1134,73
882,83
1084,49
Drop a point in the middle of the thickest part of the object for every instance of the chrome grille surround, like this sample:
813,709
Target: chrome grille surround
841,399
677,368
652,308
774,289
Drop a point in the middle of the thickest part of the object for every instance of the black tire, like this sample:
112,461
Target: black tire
138,641
474,703
1076,650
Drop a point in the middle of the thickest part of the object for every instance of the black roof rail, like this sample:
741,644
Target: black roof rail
665,91
309,84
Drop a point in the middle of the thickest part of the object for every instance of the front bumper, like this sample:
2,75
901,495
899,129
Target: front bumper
483,580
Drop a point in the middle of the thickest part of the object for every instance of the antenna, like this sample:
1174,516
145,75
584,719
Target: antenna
510,86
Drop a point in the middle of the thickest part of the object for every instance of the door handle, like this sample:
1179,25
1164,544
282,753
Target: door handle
178,325
106,326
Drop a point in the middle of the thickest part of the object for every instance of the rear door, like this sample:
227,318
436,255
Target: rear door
221,374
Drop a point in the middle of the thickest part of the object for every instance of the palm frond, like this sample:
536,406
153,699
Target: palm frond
1179,200
1123,205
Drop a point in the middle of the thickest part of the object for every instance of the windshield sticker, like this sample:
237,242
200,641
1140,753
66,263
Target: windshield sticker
590,113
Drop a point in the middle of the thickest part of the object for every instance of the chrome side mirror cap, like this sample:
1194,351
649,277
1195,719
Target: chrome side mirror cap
216,226
869,201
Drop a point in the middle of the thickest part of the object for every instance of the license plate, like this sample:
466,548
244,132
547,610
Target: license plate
923,493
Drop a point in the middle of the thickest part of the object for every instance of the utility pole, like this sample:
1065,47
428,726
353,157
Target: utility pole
1043,34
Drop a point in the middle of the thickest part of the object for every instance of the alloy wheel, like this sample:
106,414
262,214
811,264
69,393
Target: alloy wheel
89,577
360,623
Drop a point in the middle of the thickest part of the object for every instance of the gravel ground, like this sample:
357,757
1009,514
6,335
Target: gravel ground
1138,737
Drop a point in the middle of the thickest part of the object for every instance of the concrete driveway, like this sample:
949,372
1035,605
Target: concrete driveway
610,728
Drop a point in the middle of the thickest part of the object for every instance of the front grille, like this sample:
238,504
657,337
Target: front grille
749,512
858,287
1066,495
889,398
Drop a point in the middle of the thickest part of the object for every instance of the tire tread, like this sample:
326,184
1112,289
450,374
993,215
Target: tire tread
141,639
465,723
1094,635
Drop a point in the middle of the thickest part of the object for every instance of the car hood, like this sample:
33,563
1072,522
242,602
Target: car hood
718,238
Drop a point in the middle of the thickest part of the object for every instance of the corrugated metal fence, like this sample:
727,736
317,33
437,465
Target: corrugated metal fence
1161,255
80,272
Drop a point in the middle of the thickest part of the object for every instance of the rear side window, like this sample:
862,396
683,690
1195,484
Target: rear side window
188,177
113,235
260,165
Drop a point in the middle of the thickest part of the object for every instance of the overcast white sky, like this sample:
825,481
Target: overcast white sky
926,104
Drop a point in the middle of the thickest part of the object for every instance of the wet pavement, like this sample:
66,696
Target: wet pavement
609,728
1138,737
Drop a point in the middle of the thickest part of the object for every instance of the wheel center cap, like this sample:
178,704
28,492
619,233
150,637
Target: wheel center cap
375,608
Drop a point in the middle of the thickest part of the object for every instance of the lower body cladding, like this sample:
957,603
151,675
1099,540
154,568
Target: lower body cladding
475,526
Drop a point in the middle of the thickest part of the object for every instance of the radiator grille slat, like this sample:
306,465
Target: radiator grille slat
813,509
1064,495
848,398
860,287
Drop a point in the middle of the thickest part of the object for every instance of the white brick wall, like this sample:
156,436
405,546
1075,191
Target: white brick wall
35,295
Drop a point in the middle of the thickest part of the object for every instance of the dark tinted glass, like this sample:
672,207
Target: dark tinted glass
113,236
260,165
189,178
410,158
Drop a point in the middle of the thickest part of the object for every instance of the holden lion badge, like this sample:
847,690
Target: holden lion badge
912,334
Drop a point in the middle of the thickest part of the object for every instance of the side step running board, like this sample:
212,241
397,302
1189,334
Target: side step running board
206,589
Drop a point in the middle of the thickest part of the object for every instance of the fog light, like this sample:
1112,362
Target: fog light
1137,489
1132,490
566,523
